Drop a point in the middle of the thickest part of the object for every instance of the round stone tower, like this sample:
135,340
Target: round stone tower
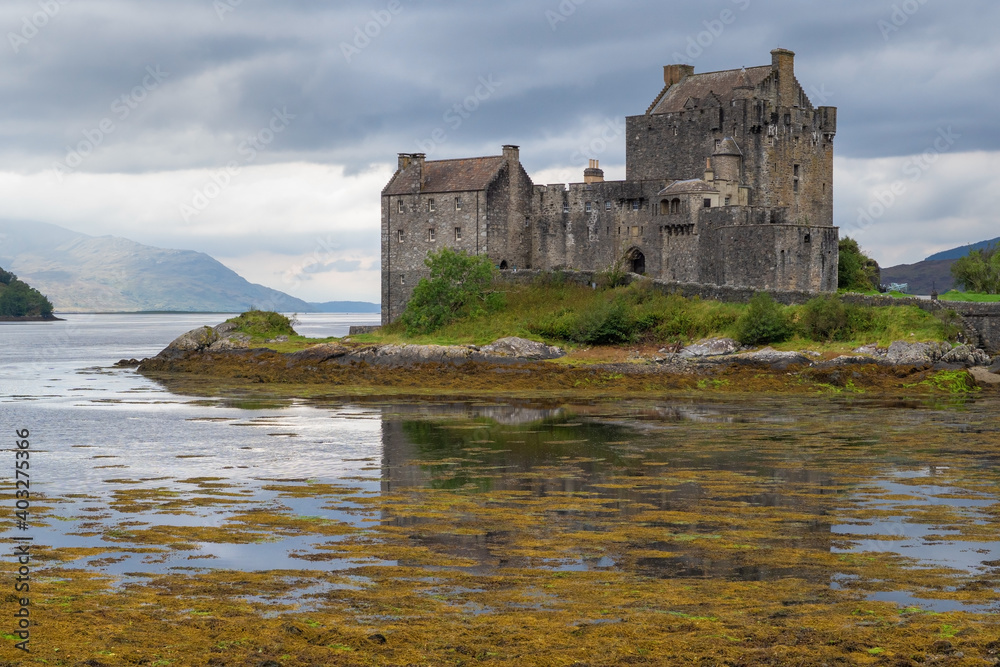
727,161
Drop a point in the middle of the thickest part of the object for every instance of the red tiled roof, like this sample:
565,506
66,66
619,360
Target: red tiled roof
465,175
701,86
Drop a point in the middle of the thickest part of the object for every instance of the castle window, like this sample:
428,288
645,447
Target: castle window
527,222
431,235
718,143
399,235
708,203
729,201
565,208
458,203
808,238
675,206
607,206
588,207
430,205
402,208
664,207
635,204
795,185
458,233
402,280
795,170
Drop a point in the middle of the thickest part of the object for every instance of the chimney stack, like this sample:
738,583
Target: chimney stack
783,62
674,73
512,153
404,161
593,173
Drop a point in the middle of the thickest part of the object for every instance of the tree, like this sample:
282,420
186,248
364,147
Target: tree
979,271
460,286
856,271
20,300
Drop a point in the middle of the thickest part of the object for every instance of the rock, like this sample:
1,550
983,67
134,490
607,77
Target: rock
225,328
772,358
995,366
984,376
847,360
902,353
711,347
195,340
871,350
320,353
128,363
520,348
238,341
279,339
966,355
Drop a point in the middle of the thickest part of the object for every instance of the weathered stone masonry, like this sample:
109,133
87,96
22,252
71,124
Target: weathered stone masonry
729,181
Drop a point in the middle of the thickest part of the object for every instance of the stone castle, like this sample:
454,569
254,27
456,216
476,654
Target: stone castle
729,181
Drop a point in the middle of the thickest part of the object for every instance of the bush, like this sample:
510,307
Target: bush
263,324
460,286
825,318
764,321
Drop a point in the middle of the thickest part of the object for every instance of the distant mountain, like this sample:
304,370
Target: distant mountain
346,307
922,277
81,273
932,273
957,253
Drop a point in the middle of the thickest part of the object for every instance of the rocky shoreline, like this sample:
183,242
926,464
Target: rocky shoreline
223,352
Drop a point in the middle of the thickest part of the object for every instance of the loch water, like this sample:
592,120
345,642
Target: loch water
692,486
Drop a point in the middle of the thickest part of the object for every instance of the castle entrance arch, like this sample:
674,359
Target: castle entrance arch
636,261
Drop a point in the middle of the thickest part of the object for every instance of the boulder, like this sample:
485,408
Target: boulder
239,341
848,360
984,376
711,347
319,353
967,356
773,359
902,353
871,350
520,348
195,340
995,366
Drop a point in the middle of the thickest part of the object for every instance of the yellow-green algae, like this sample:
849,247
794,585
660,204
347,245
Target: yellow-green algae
579,561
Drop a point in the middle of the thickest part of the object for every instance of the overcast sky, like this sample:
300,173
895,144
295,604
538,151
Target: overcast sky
262,131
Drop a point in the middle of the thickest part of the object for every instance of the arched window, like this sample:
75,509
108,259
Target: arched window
675,206
664,207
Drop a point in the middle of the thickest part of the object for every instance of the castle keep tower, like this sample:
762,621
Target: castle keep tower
729,181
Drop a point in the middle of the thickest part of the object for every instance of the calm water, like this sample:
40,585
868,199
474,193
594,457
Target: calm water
831,476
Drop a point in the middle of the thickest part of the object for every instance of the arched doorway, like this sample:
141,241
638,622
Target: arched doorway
636,261
503,265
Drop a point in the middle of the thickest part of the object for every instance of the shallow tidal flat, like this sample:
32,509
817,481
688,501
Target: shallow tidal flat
740,531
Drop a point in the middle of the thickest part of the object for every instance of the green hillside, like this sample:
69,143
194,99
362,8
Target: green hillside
19,300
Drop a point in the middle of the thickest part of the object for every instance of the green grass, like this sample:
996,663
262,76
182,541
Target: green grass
566,315
955,295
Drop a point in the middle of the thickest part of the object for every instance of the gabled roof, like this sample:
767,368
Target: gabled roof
710,84
465,175
692,186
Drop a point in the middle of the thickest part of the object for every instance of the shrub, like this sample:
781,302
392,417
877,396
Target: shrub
263,324
460,286
825,318
764,321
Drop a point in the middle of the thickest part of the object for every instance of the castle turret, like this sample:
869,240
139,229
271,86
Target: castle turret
728,161
783,63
